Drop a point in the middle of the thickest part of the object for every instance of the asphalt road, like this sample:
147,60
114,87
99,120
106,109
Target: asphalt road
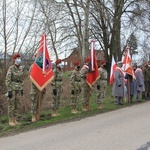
123,129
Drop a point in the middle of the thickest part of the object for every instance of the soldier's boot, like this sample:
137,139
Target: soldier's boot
77,111
53,114
33,118
100,106
15,121
11,122
84,108
57,113
73,111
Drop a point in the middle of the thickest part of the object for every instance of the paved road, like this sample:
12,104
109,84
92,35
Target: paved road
123,129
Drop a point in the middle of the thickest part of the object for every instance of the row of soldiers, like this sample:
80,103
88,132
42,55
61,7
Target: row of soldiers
14,83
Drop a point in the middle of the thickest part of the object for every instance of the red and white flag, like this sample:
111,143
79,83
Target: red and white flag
41,73
127,61
93,75
113,68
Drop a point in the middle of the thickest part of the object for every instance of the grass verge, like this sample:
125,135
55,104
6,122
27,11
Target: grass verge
66,116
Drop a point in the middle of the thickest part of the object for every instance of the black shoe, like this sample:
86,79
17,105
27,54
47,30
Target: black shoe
116,103
139,101
120,103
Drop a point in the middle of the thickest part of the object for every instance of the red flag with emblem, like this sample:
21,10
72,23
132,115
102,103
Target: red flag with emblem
93,74
41,73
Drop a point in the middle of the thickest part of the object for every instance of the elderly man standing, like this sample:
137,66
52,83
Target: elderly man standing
119,90
140,87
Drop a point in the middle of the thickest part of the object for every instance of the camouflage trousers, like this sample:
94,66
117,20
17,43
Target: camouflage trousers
75,92
56,95
101,94
36,97
13,104
86,93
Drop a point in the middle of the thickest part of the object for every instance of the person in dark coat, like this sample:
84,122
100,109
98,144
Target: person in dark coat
130,87
140,87
119,89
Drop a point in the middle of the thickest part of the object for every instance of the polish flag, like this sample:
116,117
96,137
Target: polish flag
113,67
127,61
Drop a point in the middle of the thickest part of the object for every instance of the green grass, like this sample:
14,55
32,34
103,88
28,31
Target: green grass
46,119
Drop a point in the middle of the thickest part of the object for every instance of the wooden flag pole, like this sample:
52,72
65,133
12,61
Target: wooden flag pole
88,98
39,105
128,90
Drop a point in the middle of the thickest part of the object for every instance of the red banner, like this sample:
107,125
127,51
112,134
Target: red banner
41,73
93,74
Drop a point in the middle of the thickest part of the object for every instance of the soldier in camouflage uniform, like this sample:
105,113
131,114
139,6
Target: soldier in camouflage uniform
14,83
101,84
146,73
35,93
75,81
85,87
35,96
56,88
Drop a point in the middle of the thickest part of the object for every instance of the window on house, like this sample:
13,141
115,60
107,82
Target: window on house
71,64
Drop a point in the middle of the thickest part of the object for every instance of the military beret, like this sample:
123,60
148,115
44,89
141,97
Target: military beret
76,63
87,60
58,61
16,55
102,62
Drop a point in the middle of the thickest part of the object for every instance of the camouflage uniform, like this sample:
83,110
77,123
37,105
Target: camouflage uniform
14,83
101,85
56,89
34,96
85,88
75,81
146,73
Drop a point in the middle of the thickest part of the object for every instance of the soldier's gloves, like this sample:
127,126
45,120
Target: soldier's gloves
21,92
72,92
54,91
98,87
10,94
44,90
140,85
119,85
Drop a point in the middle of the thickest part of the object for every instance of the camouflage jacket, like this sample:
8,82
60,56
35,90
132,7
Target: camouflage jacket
83,73
146,73
57,77
103,76
14,78
75,79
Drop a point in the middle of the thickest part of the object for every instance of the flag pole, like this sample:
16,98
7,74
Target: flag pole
89,95
128,89
92,69
39,105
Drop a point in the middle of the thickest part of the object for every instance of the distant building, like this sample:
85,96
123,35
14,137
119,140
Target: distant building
75,56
